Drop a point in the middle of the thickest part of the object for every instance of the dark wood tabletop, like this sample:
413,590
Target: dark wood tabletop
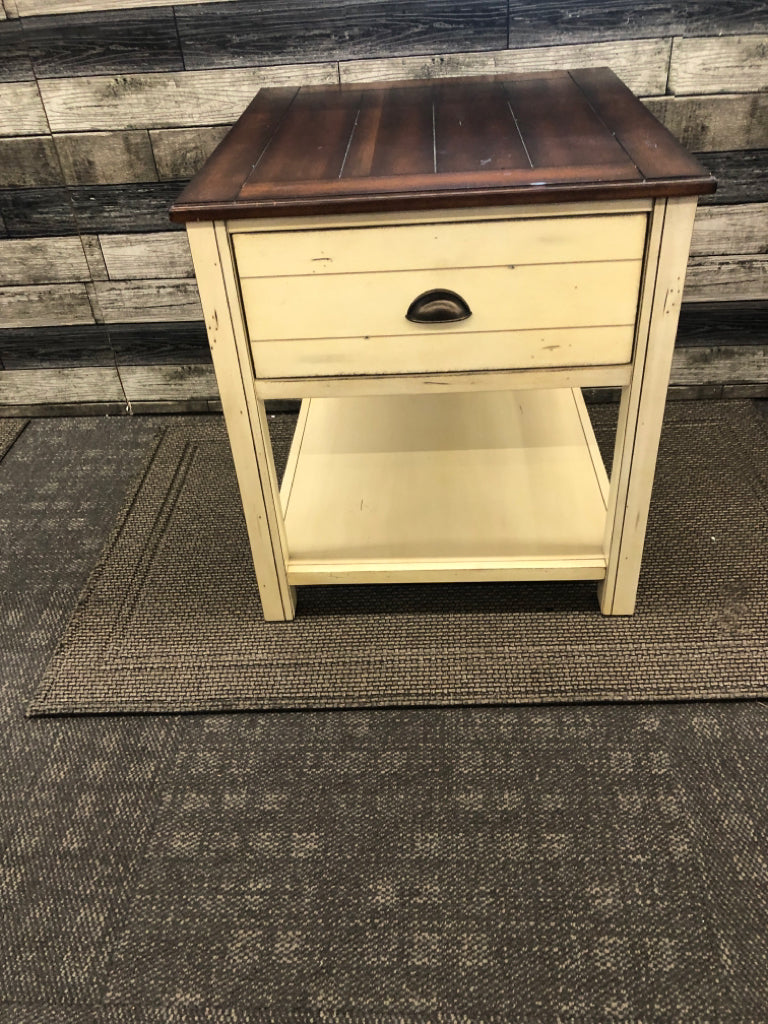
496,140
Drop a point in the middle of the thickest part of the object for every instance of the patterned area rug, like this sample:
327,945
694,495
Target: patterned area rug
170,619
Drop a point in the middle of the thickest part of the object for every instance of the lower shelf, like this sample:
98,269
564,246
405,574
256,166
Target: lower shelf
488,486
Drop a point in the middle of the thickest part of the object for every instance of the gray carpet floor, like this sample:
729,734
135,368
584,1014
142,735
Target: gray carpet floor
463,865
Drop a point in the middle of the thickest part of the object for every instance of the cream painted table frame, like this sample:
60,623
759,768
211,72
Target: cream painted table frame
531,406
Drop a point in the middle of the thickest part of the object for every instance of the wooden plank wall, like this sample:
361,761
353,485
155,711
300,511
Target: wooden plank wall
107,108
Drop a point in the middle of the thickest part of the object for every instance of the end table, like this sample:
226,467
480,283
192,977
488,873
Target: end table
436,269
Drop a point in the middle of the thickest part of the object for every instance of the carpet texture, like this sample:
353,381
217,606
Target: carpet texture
170,619
10,429
561,864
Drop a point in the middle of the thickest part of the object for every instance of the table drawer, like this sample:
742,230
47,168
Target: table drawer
546,291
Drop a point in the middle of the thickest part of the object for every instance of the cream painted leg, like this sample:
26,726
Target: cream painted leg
244,415
642,406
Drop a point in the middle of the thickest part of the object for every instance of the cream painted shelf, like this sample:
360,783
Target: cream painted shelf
482,486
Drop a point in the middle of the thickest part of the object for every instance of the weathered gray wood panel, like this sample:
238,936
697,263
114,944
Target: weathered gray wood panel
123,208
539,21
724,64
103,43
642,64
21,110
181,152
28,8
188,385
147,301
705,123
742,176
721,230
133,257
60,386
48,347
726,278
162,343
106,158
720,365
15,65
42,261
533,22
250,32
31,212
722,324
29,162
169,383
108,103
94,257
42,305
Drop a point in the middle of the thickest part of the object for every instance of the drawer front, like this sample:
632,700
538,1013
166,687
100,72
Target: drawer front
544,292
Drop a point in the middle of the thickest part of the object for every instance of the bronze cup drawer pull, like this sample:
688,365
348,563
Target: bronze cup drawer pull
438,306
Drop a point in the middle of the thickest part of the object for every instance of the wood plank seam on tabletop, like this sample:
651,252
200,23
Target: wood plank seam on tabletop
381,115
583,137
230,169
615,104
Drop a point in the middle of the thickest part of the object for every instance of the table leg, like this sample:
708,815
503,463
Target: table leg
642,404
244,415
